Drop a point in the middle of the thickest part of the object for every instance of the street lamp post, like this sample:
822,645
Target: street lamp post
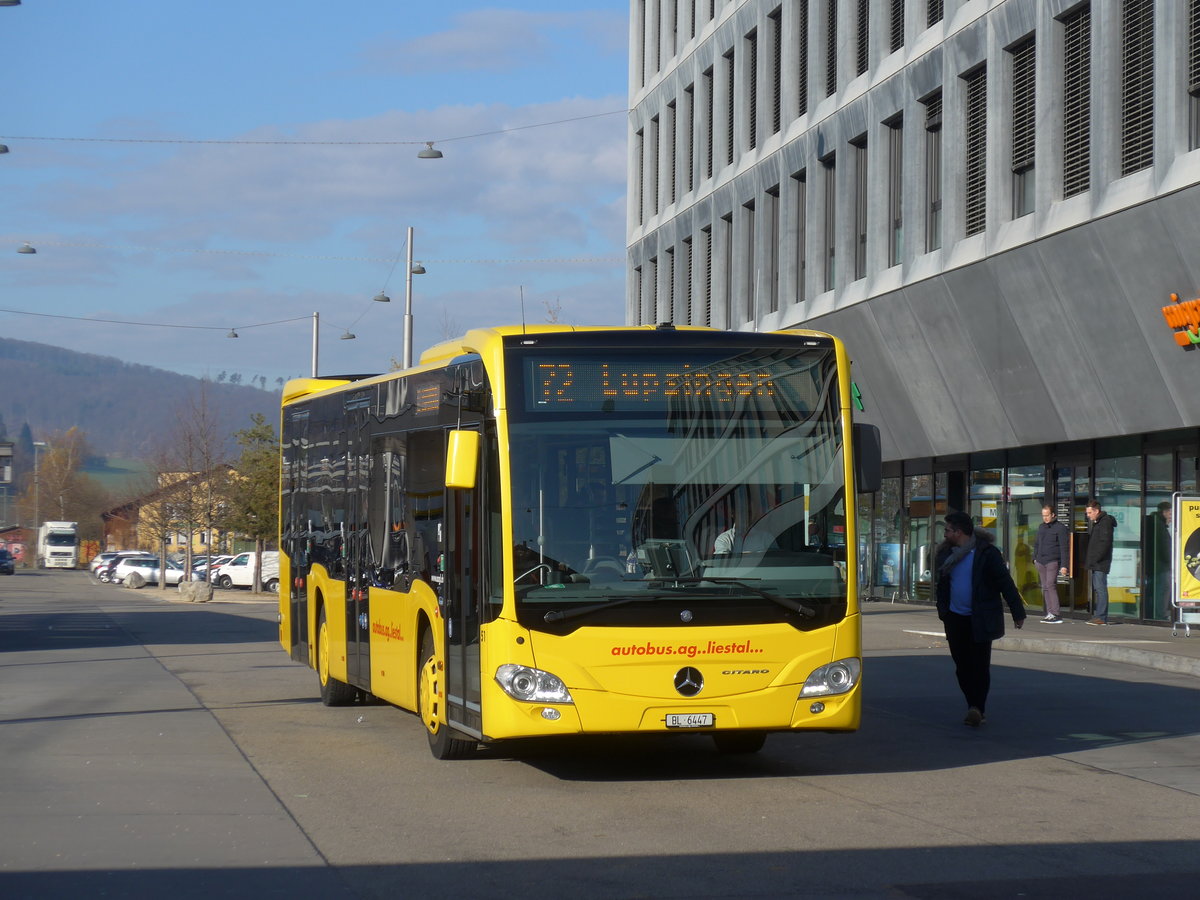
37,499
316,317
408,320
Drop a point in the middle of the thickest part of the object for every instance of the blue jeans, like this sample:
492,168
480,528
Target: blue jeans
1100,595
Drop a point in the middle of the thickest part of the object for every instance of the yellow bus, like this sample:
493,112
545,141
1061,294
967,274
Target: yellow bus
555,531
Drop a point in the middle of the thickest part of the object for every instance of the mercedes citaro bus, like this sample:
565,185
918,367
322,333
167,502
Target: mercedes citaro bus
557,531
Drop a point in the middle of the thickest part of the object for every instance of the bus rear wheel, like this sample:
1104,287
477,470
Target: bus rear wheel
739,741
333,692
430,691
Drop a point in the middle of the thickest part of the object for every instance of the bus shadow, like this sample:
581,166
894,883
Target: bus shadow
912,722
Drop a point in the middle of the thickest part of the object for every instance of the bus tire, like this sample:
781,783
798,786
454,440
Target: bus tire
333,692
739,741
443,743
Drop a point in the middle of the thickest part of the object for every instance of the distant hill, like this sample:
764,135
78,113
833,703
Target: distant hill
125,410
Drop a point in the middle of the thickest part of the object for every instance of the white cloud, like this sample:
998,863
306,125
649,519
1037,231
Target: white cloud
498,40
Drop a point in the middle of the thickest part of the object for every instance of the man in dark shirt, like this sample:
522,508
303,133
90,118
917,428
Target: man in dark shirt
1098,559
1051,551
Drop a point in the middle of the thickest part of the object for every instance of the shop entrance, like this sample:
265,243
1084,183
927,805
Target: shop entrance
1072,489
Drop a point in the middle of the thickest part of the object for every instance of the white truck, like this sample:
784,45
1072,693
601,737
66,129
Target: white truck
58,545
239,571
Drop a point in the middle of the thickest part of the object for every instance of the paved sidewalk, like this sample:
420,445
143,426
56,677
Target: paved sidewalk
902,626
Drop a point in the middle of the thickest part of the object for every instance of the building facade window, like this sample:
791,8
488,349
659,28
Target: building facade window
861,193
800,217
686,283
727,259
862,56
770,241
672,154
895,199
706,245
730,104
639,295
652,291
710,112
750,269
775,20
897,23
975,152
802,58
639,140
1077,101
1193,74
667,313
752,90
829,235
1024,126
1137,85
933,172
652,156
831,59
934,10
689,138
643,33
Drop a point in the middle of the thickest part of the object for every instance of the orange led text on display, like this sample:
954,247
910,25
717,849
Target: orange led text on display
560,383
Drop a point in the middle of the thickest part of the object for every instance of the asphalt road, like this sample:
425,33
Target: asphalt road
154,748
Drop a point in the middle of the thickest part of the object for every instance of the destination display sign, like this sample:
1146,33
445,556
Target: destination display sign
638,383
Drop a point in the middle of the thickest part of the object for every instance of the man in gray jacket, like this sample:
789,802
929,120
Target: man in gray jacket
1051,551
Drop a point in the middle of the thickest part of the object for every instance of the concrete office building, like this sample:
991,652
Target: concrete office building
991,203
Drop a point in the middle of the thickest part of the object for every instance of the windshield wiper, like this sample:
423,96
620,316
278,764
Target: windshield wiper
559,615
778,599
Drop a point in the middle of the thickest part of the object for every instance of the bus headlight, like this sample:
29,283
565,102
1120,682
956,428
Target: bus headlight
835,678
532,685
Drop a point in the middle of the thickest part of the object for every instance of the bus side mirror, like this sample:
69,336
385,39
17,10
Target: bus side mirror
868,458
462,459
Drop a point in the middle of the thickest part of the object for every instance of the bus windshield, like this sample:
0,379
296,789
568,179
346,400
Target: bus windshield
718,483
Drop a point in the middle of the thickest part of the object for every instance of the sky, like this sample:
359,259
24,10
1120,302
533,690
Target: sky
197,168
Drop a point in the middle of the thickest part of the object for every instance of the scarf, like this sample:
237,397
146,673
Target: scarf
956,556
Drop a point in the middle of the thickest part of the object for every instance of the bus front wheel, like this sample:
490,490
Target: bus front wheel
430,693
333,692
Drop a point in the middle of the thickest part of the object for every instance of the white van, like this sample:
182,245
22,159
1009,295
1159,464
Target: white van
239,571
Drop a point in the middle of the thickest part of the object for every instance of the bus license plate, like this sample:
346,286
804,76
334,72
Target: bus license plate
690,720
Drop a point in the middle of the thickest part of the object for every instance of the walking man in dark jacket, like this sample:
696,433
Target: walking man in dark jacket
1098,558
972,580
1051,551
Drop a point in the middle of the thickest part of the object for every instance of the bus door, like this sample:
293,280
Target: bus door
463,568
356,556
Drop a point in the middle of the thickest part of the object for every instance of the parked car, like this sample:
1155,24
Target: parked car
147,567
105,571
7,567
108,557
208,570
239,571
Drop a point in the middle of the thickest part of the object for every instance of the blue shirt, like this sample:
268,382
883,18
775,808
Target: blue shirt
960,585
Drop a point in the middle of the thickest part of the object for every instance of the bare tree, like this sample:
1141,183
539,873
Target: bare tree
198,449
449,326
62,490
